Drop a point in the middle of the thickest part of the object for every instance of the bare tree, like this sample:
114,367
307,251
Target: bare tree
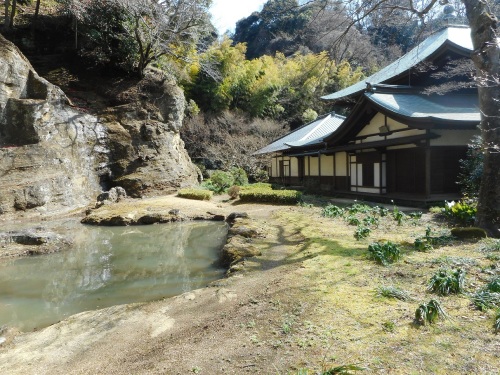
158,27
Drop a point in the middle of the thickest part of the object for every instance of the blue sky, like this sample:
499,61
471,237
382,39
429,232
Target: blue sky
225,13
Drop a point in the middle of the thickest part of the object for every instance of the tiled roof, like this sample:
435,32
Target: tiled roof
452,107
455,35
309,134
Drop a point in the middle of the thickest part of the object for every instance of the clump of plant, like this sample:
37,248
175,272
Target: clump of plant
447,281
352,220
429,313
397,214
343,370
494,285
393,292
496,324
234,191
489,245
332,211
384,253
361,232
484,300
196,194
463,212
428,241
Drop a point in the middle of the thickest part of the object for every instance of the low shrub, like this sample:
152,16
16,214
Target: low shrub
264,195
234,191
494,285
447,281
258,185
429,312
384,253
239,176
197,194
468,233
463,211
221,181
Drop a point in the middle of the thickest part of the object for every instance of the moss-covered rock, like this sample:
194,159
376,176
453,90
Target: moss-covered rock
469,233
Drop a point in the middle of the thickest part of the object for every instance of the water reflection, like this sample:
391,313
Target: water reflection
109,266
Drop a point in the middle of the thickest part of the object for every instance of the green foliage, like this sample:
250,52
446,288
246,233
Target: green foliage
234,191
393,292
332,211
352,220
496,323
429,312
240,176
485,300
197,194
361,232
471,169
447,281
220,181
428,242
463,211
494,285
343,370
384,253
309,115
266,195
261,176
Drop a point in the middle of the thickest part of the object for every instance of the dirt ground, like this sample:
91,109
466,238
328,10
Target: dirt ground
306,305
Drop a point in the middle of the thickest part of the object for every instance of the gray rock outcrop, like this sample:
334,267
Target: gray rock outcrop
48,150
55,158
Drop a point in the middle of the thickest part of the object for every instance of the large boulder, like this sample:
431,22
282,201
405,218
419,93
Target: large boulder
49,151
147,152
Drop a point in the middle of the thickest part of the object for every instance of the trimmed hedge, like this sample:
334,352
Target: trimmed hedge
266,195
197,194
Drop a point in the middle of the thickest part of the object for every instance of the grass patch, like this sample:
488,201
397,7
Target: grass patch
196,194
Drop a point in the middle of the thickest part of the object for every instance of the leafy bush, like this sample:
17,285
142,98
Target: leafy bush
447,281
260,175
359,208
332,211
429,312
234,191
221,181
264,195
494,285
393,292
197,194
352,220
384,253
258,185
471,169
463,211
240,176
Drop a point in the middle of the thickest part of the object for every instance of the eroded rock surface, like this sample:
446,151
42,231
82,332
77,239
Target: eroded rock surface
49,151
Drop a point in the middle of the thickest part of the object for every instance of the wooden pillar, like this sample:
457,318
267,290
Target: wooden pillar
427,168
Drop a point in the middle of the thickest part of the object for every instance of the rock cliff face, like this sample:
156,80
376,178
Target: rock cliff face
55,158
48,150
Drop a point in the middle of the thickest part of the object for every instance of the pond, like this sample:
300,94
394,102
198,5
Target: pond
108,266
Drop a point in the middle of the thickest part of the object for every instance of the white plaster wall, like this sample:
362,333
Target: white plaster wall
294,167
341,163
314,166
378,121
327,165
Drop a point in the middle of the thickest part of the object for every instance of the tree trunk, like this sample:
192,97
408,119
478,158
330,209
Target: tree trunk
486,57
6,22
13,13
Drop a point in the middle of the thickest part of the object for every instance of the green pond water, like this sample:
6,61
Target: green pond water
109,266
